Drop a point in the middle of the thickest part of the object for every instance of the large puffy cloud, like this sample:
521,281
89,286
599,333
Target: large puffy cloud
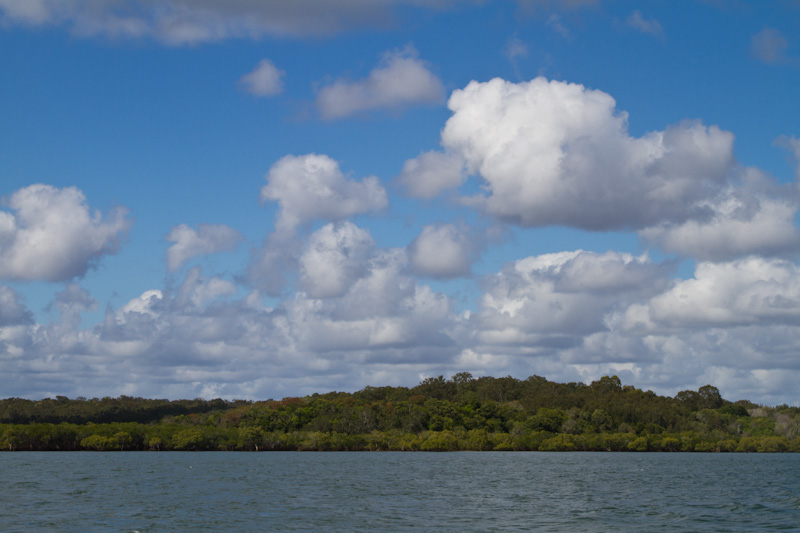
739,225
378,322
550,302
307,188
384,315
443,251
556,153
180,22
311,187
335,257
206,239
400,81
54,236
748,291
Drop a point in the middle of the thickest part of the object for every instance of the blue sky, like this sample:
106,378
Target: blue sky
264,199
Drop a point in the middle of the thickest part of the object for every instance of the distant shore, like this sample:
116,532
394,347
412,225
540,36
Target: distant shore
459,414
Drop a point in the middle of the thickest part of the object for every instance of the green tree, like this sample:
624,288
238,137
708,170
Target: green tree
189,439
547,419
98,442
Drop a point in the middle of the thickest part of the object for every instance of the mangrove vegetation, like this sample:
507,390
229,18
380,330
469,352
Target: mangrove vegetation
460,413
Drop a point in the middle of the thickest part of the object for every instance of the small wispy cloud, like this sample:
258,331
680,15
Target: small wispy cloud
556,25
769,45
264,80
515,48
636,21
206,239
515,51
792,144
401,80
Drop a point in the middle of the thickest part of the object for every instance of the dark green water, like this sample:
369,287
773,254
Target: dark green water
276,491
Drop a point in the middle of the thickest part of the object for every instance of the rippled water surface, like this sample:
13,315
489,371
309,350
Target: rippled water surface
515,491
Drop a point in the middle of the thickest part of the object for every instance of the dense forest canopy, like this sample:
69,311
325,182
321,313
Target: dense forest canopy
460,413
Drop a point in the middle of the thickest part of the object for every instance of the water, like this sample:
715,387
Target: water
288,491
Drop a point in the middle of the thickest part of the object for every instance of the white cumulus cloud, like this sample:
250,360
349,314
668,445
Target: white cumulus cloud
197,290
431,173
443,251
336,255
265,80
311,187
556,153
739,225
401,80
307,188
747,291
206,239
143,304
383,315
53,236
551,301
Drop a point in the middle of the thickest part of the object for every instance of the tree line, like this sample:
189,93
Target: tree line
459,413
